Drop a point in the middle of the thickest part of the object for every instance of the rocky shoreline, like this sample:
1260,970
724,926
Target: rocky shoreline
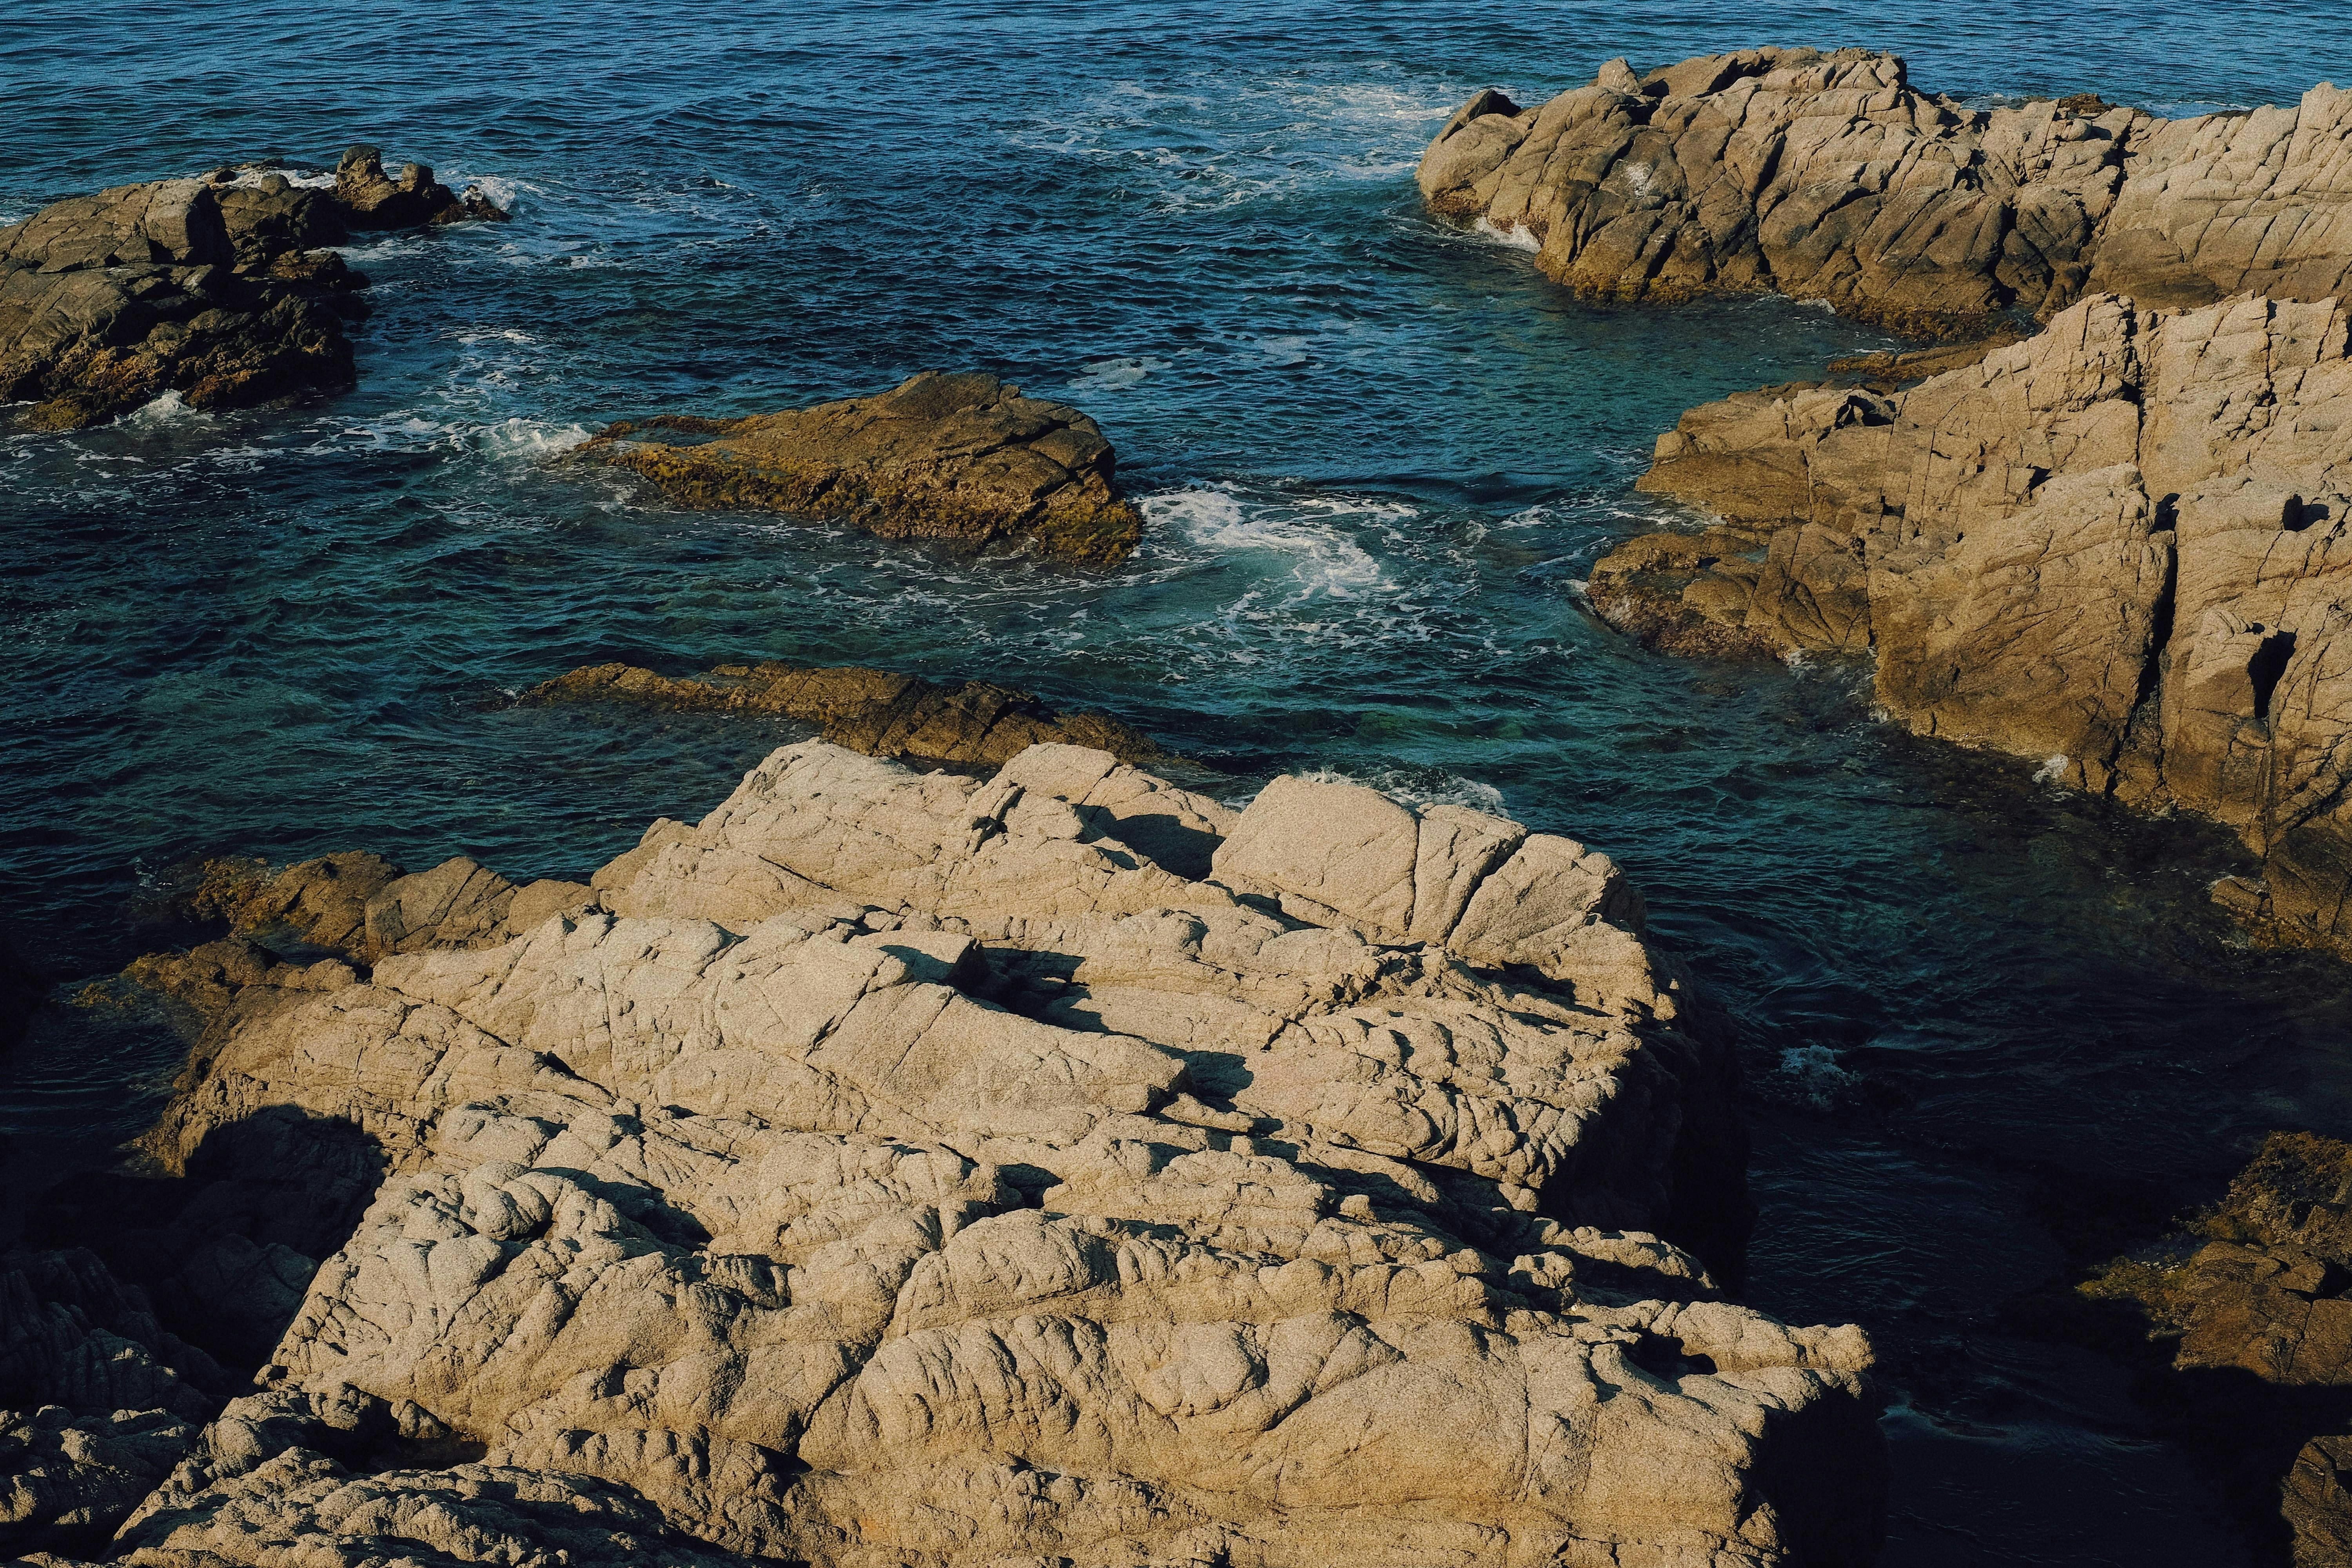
913,1168
221,290
2110,547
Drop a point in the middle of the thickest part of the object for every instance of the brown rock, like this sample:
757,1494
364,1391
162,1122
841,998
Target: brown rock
211,289
2250,1297
2118,548
1827,176
939,457
976,724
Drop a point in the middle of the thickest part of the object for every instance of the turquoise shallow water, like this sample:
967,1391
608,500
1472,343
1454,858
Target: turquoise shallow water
1376,457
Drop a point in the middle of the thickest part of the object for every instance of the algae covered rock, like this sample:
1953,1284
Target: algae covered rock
974,723
961,458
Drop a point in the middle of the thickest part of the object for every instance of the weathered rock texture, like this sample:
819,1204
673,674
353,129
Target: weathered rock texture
974,725
2119,546
2251,1299
213,289
939,457
1830,177
903,1169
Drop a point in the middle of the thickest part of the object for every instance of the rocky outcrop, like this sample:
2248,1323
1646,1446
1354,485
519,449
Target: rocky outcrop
1828,176
2251,1299
973,724
963,457
2118,548
215,289
916,1169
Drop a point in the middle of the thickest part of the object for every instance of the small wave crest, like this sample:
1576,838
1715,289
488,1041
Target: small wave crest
1512,235
1321,557
169,409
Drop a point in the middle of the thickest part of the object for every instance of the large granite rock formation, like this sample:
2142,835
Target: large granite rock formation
906,1168
938,456
2251,1302
2119,547
215,288
973,724
1828,176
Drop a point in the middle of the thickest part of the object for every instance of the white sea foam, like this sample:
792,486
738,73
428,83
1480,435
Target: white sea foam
169,409
1419,787
2052,768
1103,375
1515,237
308,180
1813,1071
1299,536
528,438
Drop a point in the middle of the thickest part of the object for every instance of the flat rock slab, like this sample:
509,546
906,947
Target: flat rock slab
963,457
973,724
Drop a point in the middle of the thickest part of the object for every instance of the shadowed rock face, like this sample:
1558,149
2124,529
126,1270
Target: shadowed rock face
213,289
1827,176
882,714
2249,1302
939,457
913,1168
2119,547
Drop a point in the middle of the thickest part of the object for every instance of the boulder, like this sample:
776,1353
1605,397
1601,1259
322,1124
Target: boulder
973,724
1828,176
214,289
916,1169
2118,548
963,457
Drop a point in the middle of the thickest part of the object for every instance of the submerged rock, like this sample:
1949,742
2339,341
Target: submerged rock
2118,547
938,456
1828,176
915,1169
976,723
214,289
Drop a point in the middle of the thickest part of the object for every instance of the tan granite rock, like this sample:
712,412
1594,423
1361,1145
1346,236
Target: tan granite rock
913,1168
1828,176
2118,548
960,457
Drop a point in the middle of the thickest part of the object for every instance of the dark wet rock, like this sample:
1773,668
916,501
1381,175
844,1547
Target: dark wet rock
2118,548
2250,1303
216,289
1828,176
963,457
371,199
974,725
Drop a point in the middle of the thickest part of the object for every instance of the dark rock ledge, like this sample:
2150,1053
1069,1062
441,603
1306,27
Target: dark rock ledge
219,289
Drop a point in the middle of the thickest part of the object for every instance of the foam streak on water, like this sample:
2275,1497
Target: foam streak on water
1376,455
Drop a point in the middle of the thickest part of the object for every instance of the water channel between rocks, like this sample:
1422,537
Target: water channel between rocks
1985,1023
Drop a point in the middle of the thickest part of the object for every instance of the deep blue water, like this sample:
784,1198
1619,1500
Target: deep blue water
1376,455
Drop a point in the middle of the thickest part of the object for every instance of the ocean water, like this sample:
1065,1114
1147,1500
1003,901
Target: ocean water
1984,1021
